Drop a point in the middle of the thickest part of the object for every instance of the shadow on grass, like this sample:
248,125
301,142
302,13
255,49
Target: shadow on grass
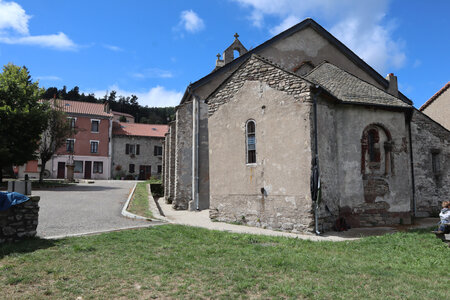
25,246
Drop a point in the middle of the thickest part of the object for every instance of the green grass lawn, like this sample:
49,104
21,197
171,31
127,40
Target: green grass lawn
173,261
139,204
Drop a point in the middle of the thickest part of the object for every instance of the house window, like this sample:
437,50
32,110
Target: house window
78,166
94,146
436,161
72,122
132,149
95,125
98,167
251,142
70,144
159,169
157,151
131,168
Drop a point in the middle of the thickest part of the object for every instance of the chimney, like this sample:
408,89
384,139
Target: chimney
393,86
106,106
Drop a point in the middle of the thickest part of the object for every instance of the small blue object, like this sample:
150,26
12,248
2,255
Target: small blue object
9,199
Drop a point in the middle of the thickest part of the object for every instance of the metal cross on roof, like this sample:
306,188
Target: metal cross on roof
236,35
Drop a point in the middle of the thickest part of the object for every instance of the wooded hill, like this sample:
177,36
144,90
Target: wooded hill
129,105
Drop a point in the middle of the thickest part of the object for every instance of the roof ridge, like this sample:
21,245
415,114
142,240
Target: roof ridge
288,32
435,96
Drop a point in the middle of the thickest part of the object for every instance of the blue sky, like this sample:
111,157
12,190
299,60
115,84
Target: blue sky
155,48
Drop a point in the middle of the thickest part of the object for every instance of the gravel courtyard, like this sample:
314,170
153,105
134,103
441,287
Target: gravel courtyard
85,208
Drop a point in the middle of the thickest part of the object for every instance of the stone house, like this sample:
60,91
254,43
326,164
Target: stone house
438,106
137,150
249,137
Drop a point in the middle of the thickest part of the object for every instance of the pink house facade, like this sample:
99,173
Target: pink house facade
89,149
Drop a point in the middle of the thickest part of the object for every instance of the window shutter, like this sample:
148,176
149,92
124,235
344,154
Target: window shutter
127,149
137,149
155,151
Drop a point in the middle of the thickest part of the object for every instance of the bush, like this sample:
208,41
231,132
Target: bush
157,189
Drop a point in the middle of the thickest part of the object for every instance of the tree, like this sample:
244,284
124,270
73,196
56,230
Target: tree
59,128
22,117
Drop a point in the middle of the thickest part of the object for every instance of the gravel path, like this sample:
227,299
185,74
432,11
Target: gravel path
85,208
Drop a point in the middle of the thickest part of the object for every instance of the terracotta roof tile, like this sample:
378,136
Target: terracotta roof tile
121,114
136,129
84,108
435,96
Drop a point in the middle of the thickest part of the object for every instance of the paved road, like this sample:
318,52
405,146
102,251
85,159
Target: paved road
84,208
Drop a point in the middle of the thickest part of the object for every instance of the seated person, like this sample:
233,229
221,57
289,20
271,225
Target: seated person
444,224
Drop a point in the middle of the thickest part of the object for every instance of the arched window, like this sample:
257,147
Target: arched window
376,148
251,142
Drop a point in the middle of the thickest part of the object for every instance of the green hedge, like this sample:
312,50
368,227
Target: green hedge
157,189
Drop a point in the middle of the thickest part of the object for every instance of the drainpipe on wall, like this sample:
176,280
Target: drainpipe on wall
110,149
412,167
315,177
195,125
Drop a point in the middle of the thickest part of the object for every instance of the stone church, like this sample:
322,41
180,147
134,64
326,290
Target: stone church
300,132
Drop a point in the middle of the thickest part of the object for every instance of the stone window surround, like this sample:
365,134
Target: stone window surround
73,145
250,161
72,122
387,147
91,143
436,161
92,125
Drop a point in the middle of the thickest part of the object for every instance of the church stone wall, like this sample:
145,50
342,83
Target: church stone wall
274,192
373,199
430,142
328,162
203,158
308,45
183,157
171,162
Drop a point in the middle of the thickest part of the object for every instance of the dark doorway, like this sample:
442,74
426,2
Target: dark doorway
61,169
87,169
145,172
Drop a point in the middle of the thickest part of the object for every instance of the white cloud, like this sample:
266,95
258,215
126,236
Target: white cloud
49,78
113,48
58,41
157,96
360,25
287,23
14,30
153,73
13,16
191,22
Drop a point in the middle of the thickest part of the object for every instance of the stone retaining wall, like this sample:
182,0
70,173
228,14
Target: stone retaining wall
19,221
